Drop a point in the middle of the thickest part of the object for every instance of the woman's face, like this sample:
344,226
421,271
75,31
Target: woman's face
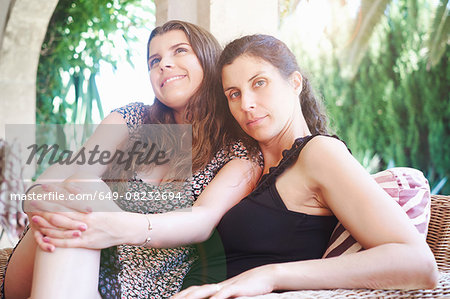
260,99
175,71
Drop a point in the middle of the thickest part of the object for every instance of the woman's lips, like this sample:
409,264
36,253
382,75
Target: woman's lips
256,121
170,79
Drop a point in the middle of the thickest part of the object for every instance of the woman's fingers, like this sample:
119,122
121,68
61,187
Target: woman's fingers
66,194
41,243
59,198
226,292
40,222
47,229
46,206
67,243
204,291
71,187
61,221
50,234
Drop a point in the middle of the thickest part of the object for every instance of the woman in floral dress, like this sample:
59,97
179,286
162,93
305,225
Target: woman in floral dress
181,59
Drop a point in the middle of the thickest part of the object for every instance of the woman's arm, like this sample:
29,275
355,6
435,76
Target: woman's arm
111,132
232,183
33,264
396,256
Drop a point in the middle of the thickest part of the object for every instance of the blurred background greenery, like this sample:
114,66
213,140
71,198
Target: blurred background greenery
381,67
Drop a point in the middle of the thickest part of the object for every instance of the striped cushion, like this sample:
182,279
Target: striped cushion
409,188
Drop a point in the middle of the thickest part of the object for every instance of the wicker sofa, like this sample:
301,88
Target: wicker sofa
438,239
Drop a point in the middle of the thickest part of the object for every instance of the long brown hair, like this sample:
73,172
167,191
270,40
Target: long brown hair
208,134
208,125
278,54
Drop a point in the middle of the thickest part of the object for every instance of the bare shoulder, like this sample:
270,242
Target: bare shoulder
242,169
234,181
322,150
324,158
114,118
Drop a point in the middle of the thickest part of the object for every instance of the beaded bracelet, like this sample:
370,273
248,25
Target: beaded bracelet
148,239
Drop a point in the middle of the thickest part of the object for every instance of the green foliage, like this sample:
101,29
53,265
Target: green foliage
396,107
370,15
79,35
439,33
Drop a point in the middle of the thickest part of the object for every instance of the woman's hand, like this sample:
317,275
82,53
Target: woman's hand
43,213
44,224
64,218
257,281
103,229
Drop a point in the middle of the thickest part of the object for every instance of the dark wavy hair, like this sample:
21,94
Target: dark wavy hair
278,54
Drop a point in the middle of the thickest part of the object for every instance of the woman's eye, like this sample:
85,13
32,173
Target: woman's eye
234,95
260,83
180,50
154,61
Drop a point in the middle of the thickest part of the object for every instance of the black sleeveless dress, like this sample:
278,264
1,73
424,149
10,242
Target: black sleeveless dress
260,230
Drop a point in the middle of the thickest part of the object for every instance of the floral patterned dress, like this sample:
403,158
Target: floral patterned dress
137,272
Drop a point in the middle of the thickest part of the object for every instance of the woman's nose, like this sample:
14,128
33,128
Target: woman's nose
248,102
166,63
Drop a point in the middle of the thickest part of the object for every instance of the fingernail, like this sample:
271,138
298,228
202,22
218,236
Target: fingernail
82,227
34,219
46,239
50,248
76,234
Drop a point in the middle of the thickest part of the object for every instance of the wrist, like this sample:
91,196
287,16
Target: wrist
277,272
140,225
149,228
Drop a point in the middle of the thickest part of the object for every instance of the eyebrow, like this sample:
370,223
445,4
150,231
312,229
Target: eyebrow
253,77
171,47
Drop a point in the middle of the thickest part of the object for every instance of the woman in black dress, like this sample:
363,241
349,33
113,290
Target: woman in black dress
274,238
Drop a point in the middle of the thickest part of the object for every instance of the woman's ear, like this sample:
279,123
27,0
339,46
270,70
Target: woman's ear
297,82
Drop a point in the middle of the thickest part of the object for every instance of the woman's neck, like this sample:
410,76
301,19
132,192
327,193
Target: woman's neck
272,149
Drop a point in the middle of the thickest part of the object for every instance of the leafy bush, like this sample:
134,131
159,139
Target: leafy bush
396,106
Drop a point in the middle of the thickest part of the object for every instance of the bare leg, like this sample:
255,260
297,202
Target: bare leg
64,273
19,274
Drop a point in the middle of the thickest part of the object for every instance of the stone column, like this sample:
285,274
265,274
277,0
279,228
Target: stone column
226,19
234,18
24,30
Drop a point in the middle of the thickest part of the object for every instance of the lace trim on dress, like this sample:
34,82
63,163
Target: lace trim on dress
289,157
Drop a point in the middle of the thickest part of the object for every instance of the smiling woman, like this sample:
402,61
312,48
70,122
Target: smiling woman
174,70
182,60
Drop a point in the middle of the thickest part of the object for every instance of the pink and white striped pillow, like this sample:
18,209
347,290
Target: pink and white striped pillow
409,188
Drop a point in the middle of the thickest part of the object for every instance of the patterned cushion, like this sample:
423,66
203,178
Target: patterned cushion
409,188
